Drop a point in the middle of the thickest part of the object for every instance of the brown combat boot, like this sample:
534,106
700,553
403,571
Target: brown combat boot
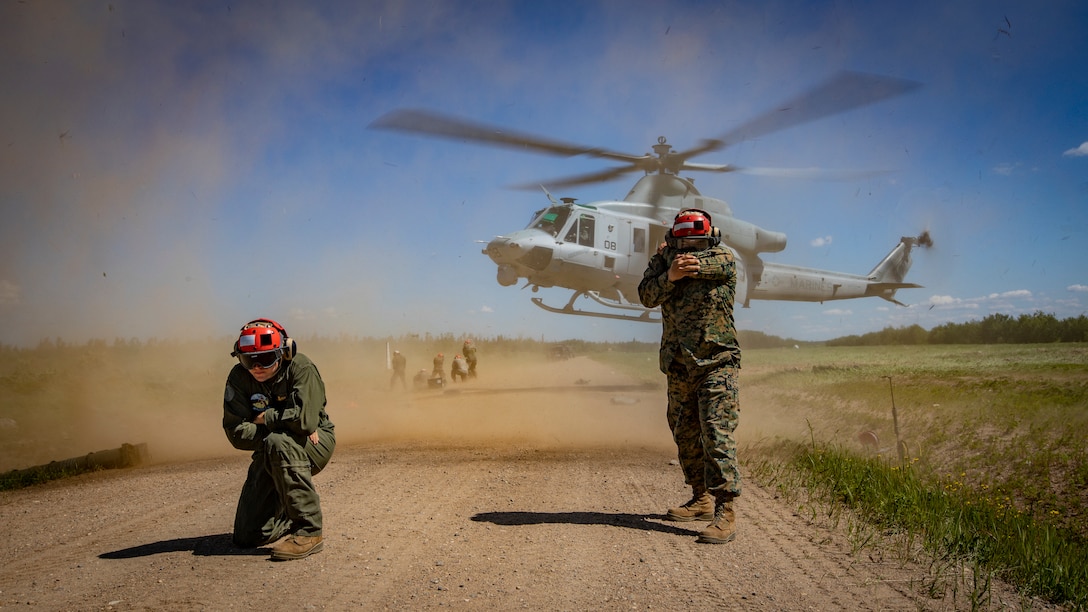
297,547
699,508
724,527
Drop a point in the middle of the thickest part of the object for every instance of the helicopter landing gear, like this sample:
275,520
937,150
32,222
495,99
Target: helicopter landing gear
645,316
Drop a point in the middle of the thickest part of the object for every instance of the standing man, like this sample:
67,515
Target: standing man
469,351
694,280
399,365
274,405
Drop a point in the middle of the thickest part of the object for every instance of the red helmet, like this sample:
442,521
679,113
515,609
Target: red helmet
691,223
261,343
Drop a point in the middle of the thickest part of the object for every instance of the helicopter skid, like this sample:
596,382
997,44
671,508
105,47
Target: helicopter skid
644,317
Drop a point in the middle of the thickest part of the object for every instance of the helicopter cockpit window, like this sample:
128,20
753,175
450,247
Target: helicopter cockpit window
552,220
581,231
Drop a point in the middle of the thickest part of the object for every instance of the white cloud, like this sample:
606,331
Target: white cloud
839,312
486,309
1018,293
1081,151
9,293
943,300
1076,288
1006,169
821,241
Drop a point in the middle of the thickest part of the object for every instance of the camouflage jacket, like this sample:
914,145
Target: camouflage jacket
696,312
293,402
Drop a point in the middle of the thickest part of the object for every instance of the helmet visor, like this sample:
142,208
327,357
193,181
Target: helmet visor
693,244
263,360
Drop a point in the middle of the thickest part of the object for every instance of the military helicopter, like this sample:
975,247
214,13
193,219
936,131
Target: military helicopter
600,250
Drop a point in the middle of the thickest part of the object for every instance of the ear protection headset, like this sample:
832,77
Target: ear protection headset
287,348
714,238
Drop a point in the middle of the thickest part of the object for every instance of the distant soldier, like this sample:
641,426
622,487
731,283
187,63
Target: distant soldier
419,381
469,351
439,365
459,369
399,365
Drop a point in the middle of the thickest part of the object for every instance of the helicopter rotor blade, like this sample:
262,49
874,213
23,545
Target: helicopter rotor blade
845,91
581,179
435,124
790,173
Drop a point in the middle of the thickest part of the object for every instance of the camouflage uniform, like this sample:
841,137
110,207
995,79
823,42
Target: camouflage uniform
459,369
469,351
701,357
278,497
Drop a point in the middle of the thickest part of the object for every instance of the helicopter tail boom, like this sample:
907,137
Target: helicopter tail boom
794,283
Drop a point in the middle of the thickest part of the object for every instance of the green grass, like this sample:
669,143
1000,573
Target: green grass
19,479
952,523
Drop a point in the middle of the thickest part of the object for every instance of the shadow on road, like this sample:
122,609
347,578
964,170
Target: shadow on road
630,521
202,546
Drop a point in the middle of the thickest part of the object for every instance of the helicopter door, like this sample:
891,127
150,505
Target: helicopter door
639,250
582,231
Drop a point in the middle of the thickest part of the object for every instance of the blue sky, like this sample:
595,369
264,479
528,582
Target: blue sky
175,169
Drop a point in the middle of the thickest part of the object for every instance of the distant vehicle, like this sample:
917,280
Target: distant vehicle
560,352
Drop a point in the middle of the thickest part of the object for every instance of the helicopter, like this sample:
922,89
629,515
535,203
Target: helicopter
600,250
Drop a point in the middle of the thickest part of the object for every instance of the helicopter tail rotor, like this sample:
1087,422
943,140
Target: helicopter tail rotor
924,239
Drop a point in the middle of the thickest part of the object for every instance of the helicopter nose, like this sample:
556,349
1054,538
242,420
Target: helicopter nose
503,249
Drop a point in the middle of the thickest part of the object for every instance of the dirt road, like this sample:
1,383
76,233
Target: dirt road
491,495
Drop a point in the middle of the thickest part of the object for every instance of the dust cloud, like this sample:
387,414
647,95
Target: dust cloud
171,400
576,403
173,403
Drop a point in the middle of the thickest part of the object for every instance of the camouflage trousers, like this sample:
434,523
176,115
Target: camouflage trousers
278,497
703,413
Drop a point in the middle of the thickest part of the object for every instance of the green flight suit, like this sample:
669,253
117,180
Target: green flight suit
278,497
701,358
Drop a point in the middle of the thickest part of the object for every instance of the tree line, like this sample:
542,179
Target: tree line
1034,328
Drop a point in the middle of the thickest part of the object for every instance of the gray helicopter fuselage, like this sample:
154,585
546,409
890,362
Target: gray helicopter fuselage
579,247
603,248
